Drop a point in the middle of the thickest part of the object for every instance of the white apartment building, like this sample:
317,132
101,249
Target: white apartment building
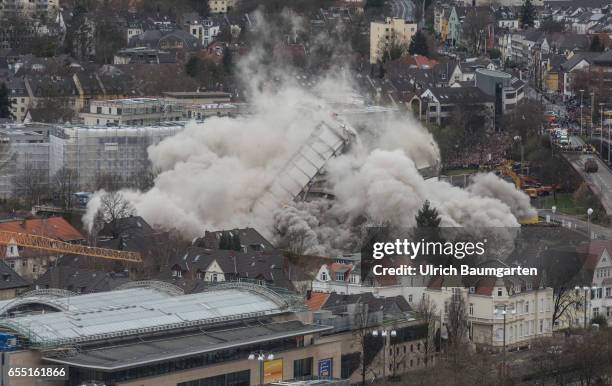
220,6
204,30
517,304
597,295
131,112
30,8
93,151
384,33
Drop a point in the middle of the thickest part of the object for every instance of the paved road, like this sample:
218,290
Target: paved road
579,225
402,9
600,182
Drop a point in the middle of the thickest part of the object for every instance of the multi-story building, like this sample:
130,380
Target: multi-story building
211,110
19,97
30,8
517,304
385,33
342,275
234,334
92,152
220,6
385,330
131,112
437,105
205,30
507,90
197,97
25,160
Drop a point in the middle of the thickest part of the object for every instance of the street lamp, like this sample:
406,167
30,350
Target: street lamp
504,311
520,141
589,213
553,209
601,105
384,334
586,292
261,357
581,93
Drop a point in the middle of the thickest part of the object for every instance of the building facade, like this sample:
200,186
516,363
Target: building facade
131,112
385,33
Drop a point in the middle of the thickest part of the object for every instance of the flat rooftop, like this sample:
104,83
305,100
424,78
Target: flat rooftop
150,351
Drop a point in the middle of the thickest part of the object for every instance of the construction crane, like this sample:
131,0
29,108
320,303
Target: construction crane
49,244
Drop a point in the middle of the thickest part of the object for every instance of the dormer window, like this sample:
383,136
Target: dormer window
472,290
324,276
500,292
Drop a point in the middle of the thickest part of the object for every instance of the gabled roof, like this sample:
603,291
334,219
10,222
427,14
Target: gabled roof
80,280
53,227
10,279
460,95
316,300
579,57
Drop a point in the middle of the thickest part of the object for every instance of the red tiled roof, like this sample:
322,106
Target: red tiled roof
594,251
485,286
53,227
316,301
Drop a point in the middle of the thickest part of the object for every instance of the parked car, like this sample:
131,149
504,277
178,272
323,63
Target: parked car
590,166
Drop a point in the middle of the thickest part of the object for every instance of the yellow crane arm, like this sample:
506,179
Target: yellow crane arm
49,244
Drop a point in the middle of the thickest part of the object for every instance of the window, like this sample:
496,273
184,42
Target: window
472,290
608,311
240,378
608,292
339,276
595,311
599,293
410,298
541,305
471,308
499,292
541,326
324,276
302,367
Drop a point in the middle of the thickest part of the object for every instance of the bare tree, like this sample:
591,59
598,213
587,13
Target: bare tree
457,325
64,186
30,183
474,29
114,207
428,311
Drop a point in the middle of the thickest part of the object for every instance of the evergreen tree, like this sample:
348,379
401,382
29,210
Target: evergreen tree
236,246
428,217
5,103
228,62
418,45
224,241
527,15
596,44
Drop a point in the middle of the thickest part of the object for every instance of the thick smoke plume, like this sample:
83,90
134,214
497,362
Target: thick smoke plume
213,172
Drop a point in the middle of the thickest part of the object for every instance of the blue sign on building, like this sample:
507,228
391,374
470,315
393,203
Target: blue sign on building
325,368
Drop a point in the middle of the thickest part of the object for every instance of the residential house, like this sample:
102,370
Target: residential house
385,33
143,55
19,97
205,30
454,25
579,61
596,290
80,280
11,284
31,263
519,304
507,90
436,105
134,28
343,276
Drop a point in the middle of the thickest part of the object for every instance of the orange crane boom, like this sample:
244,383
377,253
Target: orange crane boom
49,244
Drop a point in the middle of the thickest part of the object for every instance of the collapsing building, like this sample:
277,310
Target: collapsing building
329,139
